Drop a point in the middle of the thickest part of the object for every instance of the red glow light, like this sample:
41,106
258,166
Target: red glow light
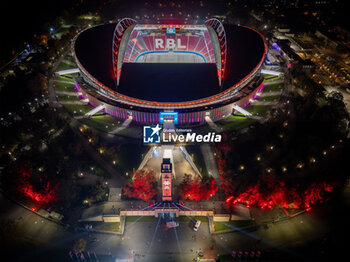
142,186
197,189
45,196
282,196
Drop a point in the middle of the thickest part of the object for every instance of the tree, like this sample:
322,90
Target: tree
37,84
197,188
79,245
99,191
142,186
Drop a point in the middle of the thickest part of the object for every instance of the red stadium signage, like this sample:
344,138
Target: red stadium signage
166,170
170,43
166,187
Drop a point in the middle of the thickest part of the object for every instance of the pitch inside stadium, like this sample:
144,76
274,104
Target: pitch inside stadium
177,72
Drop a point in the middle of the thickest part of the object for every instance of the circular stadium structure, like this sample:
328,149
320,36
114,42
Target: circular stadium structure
174,72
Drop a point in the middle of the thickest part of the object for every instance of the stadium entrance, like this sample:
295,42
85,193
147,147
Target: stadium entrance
168,117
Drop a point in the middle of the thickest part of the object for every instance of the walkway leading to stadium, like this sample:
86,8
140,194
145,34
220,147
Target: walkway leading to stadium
68,71
270,72
122,127
64,82
81,117
241,110
95,110
189,159
274,82
147,157
210,162
212,124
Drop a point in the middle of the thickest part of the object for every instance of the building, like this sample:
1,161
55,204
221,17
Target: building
140,70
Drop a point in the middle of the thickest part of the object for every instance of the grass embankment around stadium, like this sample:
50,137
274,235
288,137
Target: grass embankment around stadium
67,98
59,86
272,88
102,226
63,66
130,219
77,110
103,123
235,122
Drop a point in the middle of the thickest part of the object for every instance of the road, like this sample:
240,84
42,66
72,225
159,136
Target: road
33,228
165,247
210,162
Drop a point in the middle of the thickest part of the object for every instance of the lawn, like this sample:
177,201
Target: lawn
64,87
69,58
132,130
130,219
72,75
80,109
191,218
258,110
234,123
202,129
63,66
61,32
230,119
219,226
269,98
270,78
272,88
63,78
97,225
103,122
67,98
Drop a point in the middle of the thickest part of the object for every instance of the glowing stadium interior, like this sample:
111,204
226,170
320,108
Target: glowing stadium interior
198,71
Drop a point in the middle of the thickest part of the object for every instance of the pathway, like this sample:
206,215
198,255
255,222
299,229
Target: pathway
64,81
122,127
274,93
213,125
67,93
210,162
274,82
69,62
73,103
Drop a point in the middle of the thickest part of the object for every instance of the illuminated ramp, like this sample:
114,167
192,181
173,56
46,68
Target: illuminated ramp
68,71
241,110
270,72
95,110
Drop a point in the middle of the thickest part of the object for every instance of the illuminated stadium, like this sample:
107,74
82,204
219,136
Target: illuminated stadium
178,72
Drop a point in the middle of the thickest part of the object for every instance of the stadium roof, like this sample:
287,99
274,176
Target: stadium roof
169,82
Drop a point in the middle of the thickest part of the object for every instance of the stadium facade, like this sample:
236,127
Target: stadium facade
115,79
